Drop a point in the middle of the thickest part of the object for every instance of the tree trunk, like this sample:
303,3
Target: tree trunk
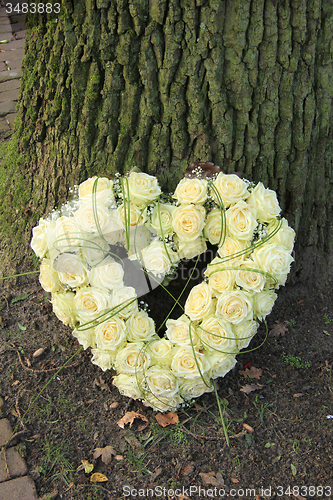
246,84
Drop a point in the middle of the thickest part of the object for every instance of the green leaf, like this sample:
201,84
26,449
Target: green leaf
21,327
293,469
20,297
326,333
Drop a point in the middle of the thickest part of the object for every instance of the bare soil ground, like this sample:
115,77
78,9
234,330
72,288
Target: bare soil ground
280,433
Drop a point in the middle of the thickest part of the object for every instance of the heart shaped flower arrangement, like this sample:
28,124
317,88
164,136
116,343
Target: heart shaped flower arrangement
126,230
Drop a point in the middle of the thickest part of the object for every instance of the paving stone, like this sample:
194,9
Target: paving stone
14,44
5,431
10,119
15,464
20,35
5,21
22,488
9,95
10,75
3,66
4,127
10,85
14,63
12,54
5,28
6,37
7,107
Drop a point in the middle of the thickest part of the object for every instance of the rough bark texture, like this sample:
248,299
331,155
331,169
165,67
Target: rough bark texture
246,84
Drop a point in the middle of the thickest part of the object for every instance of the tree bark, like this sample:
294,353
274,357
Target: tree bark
246,84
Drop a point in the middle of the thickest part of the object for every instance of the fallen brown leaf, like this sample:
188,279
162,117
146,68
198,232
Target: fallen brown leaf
252,372
167,419
298,395
114,405
97,477
39,352
129,418
278,330
250,387
234,480
298,497
105,453
213,478
248,428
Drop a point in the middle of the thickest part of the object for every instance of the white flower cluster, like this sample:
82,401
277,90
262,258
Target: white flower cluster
82,268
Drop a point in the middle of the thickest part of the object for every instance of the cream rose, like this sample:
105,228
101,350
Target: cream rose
131,216
64,307
132,359
233,249
263,303
217,335
231,188
91,303
142,187
285,237
87,216
187,364
220,278
94,249
48,277
71,270
68,235
107,275
213,227
244,333
111,334
42,237
251,281
103,191
139,239
275,260
265,202
240,221
190,249
102,358
140,327
124,300
199,303
163,403
193,388
221,364
178,331
161,219
191,191
158,258
85,337
160,381
161,351
188,221
127,386
234,307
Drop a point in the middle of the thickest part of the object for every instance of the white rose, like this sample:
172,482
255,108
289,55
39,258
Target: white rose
220,278
139,239
213,227
85,337
161,351
190,249
275,260
240,221
142,187
187,364
87,216
160,381
68,235
158,258
163,403
188,221
71,270
221,364
132,359
42,237
107,275
131,216
140,327
285,237
127,385
64,307
94,249
244,333
191,191
178,331
161,219
199,302
102,358
231,188
48,277
124,301
263,303
251,281
91,303
193,388
103,191
233,249
216,334
234,307
111,334
265,202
